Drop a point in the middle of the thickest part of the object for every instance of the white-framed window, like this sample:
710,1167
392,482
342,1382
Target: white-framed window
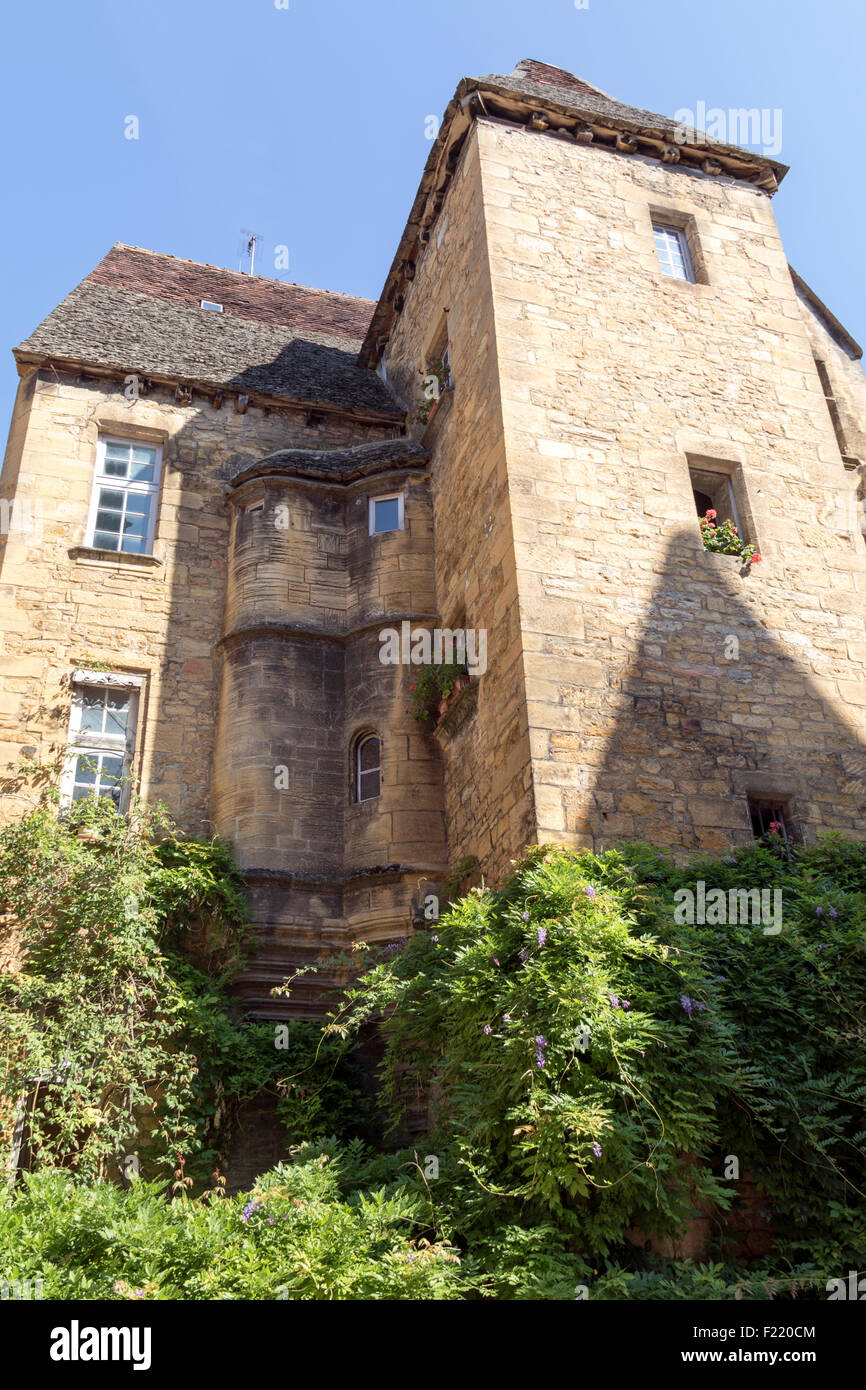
125,489
102,725
672,248
368,767
386,513
211,304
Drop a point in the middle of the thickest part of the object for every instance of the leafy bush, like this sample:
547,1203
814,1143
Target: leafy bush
118,1034
590,1060
295,1236
593,1061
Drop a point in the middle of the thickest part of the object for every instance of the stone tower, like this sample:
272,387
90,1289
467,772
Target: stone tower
219,493
638,686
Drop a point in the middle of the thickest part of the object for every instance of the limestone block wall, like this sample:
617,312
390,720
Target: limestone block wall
61,607
309,593
487,787
642,721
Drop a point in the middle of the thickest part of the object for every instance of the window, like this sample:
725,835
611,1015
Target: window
718,485
713,491
771,817
438,357
672,249
123,508
368,754
386,513
102,726
209,304
444,357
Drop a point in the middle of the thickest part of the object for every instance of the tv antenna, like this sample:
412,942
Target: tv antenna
251,239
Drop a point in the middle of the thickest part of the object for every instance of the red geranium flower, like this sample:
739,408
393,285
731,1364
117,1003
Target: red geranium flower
754,559
711,515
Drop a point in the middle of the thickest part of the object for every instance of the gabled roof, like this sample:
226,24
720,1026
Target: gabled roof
139,311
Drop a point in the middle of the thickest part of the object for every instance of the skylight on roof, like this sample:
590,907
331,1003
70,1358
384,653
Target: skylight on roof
209,304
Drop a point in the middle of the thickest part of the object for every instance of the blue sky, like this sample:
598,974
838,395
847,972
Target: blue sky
307,124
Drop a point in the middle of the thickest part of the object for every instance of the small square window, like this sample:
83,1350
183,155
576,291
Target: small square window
719,489
386,513
672,248
771,818
209,304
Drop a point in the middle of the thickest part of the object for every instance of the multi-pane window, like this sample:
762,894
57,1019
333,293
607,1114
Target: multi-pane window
101,736
368,758
386,513
123,509
673,252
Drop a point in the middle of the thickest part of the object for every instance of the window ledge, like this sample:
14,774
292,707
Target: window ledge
674,280
114,559
722,561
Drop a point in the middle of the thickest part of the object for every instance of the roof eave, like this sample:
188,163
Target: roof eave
210,387
836,329
476,97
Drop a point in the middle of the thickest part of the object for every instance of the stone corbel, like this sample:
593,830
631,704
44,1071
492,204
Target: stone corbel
626,144
583,134
537,121
241,404
671,154
183,394
712,166
768,181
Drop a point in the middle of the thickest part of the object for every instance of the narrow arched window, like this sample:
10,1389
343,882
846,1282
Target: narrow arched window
368,770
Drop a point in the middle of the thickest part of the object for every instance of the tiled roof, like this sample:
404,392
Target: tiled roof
341,465
139,311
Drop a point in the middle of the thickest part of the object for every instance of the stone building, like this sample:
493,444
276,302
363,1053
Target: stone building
218,494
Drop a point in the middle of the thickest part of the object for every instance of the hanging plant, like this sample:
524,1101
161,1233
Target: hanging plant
725,539
435,380
433,686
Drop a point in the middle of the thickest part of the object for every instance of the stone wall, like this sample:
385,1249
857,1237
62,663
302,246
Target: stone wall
642,724
62,607
487,791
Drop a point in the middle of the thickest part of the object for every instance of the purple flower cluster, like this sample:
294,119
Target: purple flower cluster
596,1148
488,1030
540,1045
589,891
690,1004
249,1209
542,935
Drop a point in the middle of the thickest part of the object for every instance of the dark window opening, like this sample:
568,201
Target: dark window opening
703,502
721,492
772,820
